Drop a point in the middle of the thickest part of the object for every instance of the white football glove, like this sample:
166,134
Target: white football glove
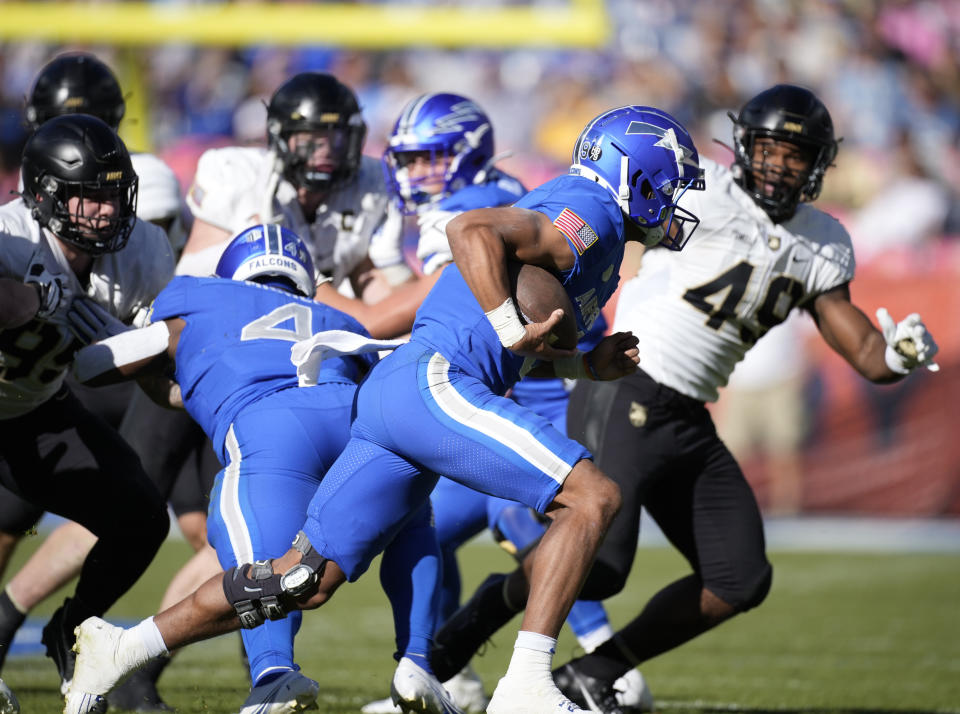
89,322
54,288
433,248
909,345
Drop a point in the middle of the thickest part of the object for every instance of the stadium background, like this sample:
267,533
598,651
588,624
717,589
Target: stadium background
196,75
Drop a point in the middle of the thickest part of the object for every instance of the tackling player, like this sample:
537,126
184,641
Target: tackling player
277,427
72,238
436,406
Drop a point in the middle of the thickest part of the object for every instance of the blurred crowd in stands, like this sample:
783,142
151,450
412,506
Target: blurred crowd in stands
889,72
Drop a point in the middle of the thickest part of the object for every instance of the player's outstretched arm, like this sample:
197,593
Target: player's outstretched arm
482,241
881,357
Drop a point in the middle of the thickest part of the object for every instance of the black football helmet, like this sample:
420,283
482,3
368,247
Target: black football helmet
79,156
313,101
788,113
75,83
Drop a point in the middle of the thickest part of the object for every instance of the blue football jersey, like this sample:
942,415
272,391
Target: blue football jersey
451,321
235,347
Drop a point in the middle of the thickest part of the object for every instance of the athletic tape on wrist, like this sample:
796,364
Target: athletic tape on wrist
506,323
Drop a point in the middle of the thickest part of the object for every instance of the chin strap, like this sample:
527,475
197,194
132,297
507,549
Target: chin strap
623,194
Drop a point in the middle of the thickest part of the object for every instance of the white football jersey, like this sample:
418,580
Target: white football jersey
231,190
697,311
35,357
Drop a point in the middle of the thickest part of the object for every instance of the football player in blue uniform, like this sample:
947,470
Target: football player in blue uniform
436,406
275,439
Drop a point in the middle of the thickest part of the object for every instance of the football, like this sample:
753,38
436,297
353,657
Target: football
538,293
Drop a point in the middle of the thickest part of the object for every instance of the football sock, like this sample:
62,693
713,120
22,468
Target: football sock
532,655
145,640
11,617
591,639
607,663
410,575
589,623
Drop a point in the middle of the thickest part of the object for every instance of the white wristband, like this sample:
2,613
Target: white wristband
896,361
506,322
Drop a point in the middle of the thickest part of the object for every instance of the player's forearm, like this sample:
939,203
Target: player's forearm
18,303
851,335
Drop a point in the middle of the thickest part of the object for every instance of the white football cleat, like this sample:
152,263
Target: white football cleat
514,696
633,692
104,657
417,691
288,693
466,688
8,701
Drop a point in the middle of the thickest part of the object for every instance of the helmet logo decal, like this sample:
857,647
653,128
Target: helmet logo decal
793,126
668,141
592,150
460,113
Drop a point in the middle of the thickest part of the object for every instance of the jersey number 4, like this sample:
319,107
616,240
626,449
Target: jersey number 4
783,293
266,327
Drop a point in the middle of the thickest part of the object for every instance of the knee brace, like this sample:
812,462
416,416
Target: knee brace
258,594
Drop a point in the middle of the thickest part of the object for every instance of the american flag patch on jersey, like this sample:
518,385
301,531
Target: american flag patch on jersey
573,227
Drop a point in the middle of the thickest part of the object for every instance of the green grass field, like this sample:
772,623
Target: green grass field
851,633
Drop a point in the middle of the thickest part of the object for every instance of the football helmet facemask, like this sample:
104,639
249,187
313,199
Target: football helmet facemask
316,104
77,156
272,255
783,113
75,83
647,160
453,134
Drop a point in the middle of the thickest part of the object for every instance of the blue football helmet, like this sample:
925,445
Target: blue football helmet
647,160
455,132
272,255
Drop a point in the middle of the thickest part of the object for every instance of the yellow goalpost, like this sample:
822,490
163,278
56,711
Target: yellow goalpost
380,26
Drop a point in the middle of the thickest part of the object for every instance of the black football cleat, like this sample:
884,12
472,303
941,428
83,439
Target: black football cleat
138,692
586,691
459,638
59,644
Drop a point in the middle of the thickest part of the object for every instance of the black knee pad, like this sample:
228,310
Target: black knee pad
258,594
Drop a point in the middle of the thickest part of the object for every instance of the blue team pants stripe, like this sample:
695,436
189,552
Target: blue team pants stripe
509,434
231,511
